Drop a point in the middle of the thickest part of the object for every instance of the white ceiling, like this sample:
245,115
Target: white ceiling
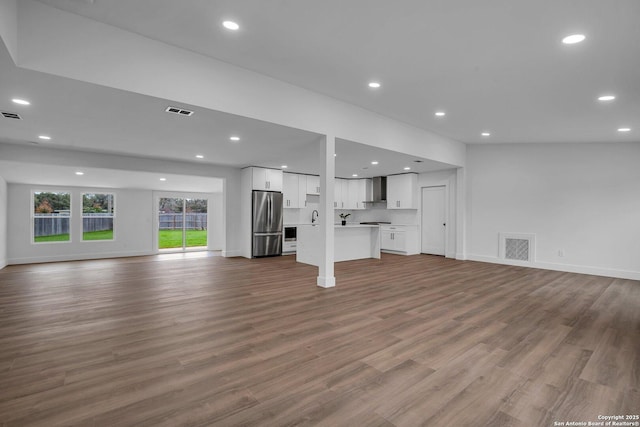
87,117
43,174
495,65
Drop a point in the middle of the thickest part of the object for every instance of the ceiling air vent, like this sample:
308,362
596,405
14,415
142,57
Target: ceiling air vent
517,247
180,111
11,115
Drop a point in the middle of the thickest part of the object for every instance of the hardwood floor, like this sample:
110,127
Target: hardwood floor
401,341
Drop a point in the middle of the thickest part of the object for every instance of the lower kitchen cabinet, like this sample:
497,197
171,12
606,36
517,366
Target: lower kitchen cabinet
401,239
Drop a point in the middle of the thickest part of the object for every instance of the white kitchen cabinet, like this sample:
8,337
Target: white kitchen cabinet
401,191
266,179
302,191
386,240
291,190
341,193
399,239
393,240
359,192
313,185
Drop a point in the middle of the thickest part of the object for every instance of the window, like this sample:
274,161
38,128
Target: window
97,216
51,216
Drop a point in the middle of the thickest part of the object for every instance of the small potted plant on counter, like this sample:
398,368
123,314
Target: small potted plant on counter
344,216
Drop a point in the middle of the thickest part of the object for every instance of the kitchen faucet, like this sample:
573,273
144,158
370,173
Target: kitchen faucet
314,216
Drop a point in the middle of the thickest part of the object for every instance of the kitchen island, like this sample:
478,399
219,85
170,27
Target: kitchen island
351,241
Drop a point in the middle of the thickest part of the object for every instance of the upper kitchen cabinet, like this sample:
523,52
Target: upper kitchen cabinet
302,191
313,185
266,179
291,190
359,190
341,193
401,191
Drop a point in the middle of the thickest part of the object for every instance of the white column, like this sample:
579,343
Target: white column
326,278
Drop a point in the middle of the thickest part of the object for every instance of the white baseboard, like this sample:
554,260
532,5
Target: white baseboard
569,268
460,256
388,251
326,282
3,263
75,257
232,253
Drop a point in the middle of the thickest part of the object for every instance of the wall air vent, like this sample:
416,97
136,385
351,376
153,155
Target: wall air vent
517,247
179,111
8,115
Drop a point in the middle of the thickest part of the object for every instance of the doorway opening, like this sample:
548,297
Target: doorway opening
182,224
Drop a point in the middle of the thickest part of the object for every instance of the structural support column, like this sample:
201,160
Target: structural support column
326,278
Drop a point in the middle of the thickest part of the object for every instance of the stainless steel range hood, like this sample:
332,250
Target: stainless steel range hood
379,189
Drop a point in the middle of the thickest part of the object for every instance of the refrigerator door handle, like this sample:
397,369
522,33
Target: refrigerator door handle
268,234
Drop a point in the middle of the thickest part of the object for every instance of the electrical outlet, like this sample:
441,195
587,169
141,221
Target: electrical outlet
561,253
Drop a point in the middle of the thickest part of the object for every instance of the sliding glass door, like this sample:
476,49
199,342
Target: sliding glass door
182,223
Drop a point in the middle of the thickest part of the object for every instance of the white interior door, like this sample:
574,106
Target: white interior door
434,224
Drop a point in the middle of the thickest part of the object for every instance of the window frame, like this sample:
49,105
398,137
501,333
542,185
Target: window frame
33,216
112,216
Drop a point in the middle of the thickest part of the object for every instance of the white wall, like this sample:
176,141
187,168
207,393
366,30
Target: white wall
231,177
133,227
216,222
3,222
583,199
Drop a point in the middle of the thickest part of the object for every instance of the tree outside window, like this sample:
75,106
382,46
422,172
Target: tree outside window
98,211
51,216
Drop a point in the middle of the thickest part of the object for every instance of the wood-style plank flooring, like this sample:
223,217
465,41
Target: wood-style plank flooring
174,340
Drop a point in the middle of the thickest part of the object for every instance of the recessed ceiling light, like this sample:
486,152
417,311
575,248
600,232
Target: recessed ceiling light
624,129
45,137
354,175
284,166
374,163
485,134
199,156
230,25
606,98
440,113
573,39
235,138
20,101
163,179
407,168
335,155
79,173
374,85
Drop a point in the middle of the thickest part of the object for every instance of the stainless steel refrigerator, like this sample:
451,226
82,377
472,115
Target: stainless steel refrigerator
267,224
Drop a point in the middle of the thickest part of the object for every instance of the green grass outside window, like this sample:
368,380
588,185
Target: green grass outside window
173,238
